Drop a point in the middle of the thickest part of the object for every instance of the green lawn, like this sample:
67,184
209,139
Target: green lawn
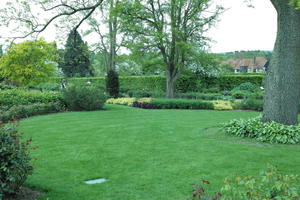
145,154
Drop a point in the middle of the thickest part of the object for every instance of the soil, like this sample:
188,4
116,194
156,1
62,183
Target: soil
25,194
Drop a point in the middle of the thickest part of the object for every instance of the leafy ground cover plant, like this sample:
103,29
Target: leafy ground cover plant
15,160
271,132
270,184
84,97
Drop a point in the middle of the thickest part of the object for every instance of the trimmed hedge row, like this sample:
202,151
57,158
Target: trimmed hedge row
17,112
13,97
184,83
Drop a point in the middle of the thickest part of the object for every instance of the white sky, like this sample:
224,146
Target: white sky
244,28
239,28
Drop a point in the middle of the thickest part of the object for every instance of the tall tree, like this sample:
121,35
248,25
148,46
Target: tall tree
76,60
283,76
175,28
106,24
29,63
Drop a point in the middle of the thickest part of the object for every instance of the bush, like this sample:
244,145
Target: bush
47,87
23,111
25,97
4,86
84,97
249,87
195,95
126,101
181,104
270,132
15,159
112,83
222,105
249,104
269,185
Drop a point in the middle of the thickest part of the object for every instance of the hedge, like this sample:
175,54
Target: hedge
184,83
13,97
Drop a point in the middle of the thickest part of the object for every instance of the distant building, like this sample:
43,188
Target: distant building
244,65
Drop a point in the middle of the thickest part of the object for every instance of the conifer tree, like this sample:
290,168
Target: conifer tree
76,62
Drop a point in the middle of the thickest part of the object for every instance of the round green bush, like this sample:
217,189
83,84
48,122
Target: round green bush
84,97
14,159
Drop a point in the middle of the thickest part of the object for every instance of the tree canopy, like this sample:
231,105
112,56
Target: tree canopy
76,61
29,63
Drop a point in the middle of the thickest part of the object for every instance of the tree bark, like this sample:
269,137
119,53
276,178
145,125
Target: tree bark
171,83
112,38
283,77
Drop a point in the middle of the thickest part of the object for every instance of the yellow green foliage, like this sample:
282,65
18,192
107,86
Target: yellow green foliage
222,105
29,63
127,101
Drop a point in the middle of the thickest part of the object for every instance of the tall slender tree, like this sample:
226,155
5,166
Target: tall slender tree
76,60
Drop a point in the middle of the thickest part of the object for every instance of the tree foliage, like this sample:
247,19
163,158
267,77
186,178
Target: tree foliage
29,63
76,61
175,28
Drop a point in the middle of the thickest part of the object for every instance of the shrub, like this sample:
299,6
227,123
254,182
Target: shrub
112,83
144,93
269,185
47,87
126,101
250,87
4,86
23,111
270,132
83,97
195,95
25,97
222,105
181,104
14,157
249,104
240,94
144,105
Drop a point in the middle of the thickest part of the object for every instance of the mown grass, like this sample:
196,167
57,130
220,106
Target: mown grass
145,154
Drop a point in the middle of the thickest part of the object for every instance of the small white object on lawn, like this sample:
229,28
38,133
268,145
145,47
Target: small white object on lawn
96,181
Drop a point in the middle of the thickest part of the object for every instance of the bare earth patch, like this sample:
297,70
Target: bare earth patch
25,194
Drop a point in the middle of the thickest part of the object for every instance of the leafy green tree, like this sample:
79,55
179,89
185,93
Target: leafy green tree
76,61
29,63
175,28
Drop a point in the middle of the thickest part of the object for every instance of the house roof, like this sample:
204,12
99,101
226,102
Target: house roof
253,63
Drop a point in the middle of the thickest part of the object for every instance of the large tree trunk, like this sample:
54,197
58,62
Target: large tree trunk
171,78
283,76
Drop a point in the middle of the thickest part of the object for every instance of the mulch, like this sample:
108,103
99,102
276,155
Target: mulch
25,193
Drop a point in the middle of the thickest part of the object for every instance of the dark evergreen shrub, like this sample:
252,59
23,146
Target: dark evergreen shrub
112,83
84,97
14,160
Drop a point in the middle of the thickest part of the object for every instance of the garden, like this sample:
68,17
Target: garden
144,110
145,146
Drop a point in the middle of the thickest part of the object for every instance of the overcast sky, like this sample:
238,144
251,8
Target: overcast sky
239,28
244,28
